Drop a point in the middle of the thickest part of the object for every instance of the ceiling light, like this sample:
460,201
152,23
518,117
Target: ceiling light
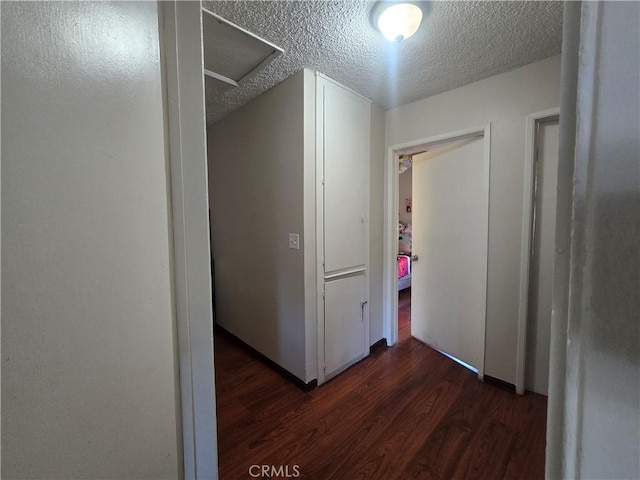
398,21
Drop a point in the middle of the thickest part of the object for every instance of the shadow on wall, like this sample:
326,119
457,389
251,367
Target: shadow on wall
614,301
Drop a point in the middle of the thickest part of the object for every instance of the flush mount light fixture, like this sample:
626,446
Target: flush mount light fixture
397,21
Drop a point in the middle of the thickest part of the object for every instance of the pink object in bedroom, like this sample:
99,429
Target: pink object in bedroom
403,266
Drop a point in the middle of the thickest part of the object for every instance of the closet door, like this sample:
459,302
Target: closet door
344,322
346,177
343,142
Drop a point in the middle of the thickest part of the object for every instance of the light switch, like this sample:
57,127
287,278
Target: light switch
294,241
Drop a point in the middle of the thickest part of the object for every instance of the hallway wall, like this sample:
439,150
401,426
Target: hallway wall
88,372
504,101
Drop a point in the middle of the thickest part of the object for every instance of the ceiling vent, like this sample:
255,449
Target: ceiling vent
232,55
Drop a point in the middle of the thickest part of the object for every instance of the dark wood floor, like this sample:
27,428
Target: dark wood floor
405,412
404,314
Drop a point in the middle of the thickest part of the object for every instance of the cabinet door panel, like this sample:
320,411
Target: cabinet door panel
346,177
344,322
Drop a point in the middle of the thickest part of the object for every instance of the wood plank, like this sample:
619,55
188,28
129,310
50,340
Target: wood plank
437,457
405,412
488,453
404,315
398,442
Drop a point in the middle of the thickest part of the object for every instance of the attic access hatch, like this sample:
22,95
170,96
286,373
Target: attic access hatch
232,55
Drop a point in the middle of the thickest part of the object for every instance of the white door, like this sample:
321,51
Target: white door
346,178
542,256
343,143
448,291
344,322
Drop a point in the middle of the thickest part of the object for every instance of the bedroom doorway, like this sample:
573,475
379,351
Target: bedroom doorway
449,233
405,235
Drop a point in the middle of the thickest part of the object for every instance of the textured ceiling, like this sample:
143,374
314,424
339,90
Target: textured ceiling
458,43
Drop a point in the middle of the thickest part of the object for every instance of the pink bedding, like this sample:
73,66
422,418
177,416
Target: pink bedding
403,266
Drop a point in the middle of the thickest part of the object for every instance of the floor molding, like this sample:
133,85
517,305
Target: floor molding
496,382
305,387
379,345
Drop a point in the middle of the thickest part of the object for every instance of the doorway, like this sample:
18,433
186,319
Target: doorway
538,241
444,158
405,239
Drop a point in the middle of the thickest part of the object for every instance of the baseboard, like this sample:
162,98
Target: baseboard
379,345
305,387
496,382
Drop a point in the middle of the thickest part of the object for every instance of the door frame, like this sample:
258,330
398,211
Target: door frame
531,137
187,192
391,205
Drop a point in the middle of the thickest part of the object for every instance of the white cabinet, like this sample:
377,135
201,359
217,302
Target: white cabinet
343,137
345,315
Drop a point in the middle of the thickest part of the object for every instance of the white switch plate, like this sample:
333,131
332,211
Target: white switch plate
294,241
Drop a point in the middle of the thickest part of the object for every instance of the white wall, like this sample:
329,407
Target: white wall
594,396
256,161
404,189
376,216
88,376
503,100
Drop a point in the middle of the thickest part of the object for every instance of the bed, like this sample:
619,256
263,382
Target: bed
404,272
404,256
